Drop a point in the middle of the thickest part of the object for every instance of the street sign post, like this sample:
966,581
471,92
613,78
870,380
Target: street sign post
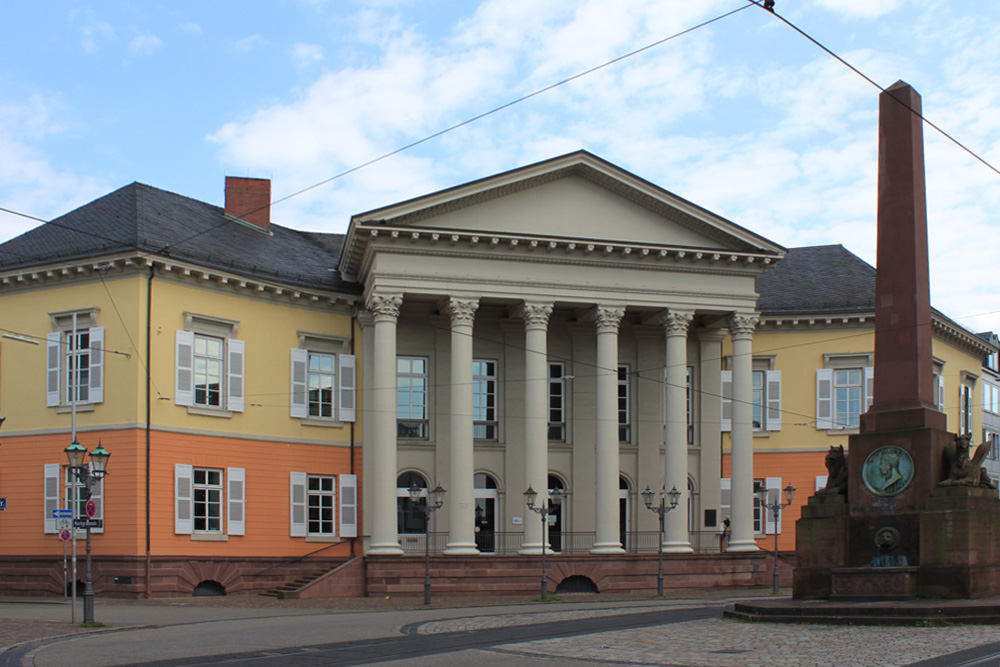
65,535
62,514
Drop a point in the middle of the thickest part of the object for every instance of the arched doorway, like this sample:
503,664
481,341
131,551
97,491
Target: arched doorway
410,518
487,503
624,512
556,519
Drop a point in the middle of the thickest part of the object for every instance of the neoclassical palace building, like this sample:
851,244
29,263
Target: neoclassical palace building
270,396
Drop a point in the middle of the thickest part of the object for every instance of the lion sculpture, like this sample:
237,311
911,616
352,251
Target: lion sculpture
836,469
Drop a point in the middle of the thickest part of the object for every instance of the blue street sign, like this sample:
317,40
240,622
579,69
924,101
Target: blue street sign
62,514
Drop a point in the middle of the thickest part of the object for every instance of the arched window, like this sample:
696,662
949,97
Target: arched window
409,518
624,511
556,521
487,504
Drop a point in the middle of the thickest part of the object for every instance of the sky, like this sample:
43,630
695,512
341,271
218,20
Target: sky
744,117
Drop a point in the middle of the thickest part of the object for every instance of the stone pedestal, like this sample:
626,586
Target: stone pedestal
960,543
819,546
874,583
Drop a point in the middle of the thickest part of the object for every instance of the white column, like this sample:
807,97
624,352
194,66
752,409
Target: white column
675,529
384,538
536,417
741,326
710,422
460,498
607,536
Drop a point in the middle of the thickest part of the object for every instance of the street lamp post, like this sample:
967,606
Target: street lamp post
661,510
89,478
776,508
435,499
544,510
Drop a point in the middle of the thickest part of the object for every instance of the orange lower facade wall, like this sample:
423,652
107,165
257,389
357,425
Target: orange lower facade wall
25,545
799,469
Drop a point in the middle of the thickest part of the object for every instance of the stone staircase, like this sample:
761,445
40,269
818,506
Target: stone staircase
294,586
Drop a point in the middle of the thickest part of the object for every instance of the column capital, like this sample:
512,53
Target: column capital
462,311
743,324
676,322
384,306
535,314
607,318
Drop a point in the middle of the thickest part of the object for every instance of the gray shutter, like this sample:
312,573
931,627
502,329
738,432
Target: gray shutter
184,386
299,400
237,501
183,499
869,387
237,375
773,419
824,398
297,503
727,401
53,480
940,393
773,485
348,505
347,391
53,356
97,364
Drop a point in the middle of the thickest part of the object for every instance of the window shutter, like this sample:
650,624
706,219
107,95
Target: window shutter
726,500
297,502
940,393
237,375
52,482
184,386
53,354
183,499
821,482
348,505
727,401
97,364
773,485
347,377
97,495
824,398
773,421
236,521
299,400
869,387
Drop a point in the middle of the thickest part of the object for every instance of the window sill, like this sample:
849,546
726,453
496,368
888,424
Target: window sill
843,431
209,537
332,539
80,407
762,434
209,412
321,422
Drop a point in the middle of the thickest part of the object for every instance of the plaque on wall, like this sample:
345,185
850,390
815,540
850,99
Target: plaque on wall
887,471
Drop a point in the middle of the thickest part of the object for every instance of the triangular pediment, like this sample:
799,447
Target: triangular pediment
574,197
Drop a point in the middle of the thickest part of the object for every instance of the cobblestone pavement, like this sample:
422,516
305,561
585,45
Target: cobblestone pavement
725,643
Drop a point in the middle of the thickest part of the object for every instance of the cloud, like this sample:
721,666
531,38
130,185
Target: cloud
306,55
248,44
191,27
868,9
144,45
95,32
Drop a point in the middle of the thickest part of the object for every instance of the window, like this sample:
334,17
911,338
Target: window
59,492
763,522
210,366
314,506
765,392
993,438
200,497
411,398
410,518
75,363
991,398
965,410
484,399
624,423
843,392
557,402
689,400
758,511
323,380
207,500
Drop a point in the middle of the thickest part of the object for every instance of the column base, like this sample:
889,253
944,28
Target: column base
677,548
607,548
742,547
461,549
388,549
534,549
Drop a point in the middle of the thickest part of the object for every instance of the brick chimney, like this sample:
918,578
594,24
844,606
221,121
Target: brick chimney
249,199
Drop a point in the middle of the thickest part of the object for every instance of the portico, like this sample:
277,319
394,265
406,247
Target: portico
561,323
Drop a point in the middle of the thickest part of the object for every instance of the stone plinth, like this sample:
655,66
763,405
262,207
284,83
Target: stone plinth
820,545
874,583
960,551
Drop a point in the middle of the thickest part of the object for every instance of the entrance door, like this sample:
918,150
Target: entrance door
486,513
624,516
556,519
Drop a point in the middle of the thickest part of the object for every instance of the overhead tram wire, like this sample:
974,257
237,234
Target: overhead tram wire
872,82
478,117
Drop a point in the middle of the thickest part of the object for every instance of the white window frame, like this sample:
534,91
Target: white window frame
485,407
556,396
232,488
233,375
965,402
206,487
343,378
422,423
624,404
826,399
60,354
58,494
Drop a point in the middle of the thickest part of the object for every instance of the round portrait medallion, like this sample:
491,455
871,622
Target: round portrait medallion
887,471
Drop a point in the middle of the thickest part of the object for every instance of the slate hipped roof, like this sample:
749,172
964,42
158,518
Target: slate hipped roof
819,280
142,218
